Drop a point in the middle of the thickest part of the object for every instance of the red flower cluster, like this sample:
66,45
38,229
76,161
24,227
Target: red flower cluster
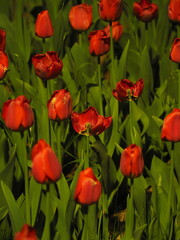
174,10
175,51
110,10
17,114
26,233
45,165
125,87
88,188
90,122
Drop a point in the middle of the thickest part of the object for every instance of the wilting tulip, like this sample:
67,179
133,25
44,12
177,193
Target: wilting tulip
80,17
88,188
125,90
171,126
117,30
89,122
59,105
26,233
99,42
43,26
45,165
145,11
175,51
2,39
3,64
174,10
18,114
110,10
131,161
47,66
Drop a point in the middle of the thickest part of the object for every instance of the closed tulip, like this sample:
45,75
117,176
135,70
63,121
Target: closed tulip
126,89
99,42
88,188
131,161
80,17
171,126
2,39
47,66
59,105
3,64
145,11
26,233
110,10
18,114
117,30
174,10
89,122
175,51
43,25
45,165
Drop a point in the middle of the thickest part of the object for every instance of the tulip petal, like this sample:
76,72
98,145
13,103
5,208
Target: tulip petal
38,171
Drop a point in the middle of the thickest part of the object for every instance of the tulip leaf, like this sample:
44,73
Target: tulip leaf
122,68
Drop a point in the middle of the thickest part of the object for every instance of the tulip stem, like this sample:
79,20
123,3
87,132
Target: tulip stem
179,87
46,233
113,75
131,119
86,162
100,87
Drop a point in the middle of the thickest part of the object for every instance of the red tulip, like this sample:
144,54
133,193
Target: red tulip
47,66
45,165
174,10
110,10
18,114
145,11
131,161
80,17
89,122
59,105
2,39
125,87
99,42
43,26
26,233
117,30
171,126
88,188
175,51
3,64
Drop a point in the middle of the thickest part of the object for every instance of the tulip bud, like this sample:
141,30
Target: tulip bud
110,10
88,188
131,161
26,233
117,30
2,39
145,11
47,66
43,26
174,10
126,89
171,126
3,64
99,42
175,51
80,17
59,105
89,122
45,165
18,114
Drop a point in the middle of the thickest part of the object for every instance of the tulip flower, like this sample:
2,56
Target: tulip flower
89,122
145,11
88,188
59,105
99,42
174,10
125,90
2,39
171,126
80,17
45,165
117,30
3,64
110,10
131,161
18,114
43,25
175,51
26,233
47,66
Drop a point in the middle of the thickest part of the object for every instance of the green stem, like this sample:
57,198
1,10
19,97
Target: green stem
46,233
179,87
130,212
100,87
113,75
86,161
131,119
